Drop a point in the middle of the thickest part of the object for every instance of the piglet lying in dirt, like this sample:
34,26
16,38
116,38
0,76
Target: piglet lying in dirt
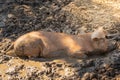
51,44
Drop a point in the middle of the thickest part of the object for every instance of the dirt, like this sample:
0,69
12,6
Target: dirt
18,17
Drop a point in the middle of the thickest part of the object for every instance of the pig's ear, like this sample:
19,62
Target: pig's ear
100,29
97,34
94,37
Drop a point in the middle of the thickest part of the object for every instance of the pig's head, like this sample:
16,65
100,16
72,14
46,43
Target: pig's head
99,40
101,43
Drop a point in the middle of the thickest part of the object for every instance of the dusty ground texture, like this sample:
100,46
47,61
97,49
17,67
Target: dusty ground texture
18,17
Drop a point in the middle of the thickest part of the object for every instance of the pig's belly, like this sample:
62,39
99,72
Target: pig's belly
55,52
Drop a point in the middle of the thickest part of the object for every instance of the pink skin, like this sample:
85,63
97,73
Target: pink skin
51,44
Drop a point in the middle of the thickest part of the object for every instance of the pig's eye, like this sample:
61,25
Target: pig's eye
106,36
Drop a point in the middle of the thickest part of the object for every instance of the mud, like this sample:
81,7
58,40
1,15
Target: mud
18,17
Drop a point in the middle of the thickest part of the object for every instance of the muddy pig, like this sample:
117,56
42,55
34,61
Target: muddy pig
52,44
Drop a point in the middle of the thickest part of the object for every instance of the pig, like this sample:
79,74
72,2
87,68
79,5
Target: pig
51,44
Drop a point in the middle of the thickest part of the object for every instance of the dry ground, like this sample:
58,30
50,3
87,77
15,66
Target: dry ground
18,17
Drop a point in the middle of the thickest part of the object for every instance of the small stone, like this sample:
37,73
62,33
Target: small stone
69,72
86,76
10,15
11,71
89,76
48,71
14,69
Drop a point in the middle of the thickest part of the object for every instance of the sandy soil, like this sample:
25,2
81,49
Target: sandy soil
18,17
